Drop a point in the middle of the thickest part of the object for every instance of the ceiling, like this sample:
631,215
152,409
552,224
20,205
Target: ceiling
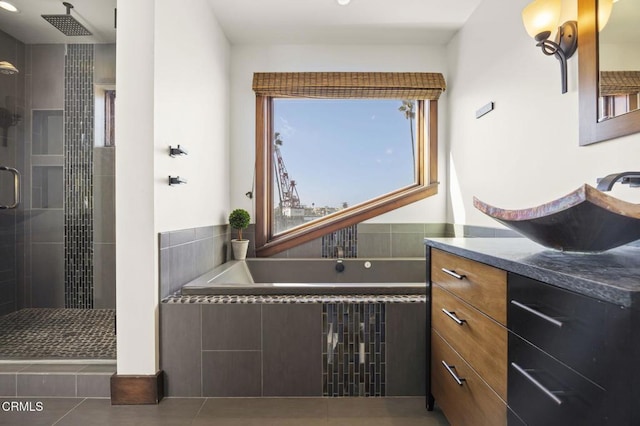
326,22
268,21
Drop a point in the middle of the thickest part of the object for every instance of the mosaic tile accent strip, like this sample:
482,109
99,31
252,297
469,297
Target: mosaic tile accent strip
354,349
267,299
43,333
347,238
78,176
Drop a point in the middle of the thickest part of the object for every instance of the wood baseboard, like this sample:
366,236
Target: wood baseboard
137,390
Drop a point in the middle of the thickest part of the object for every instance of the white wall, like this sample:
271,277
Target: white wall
247,59
526,151
191,109
171,89
136,257
619,57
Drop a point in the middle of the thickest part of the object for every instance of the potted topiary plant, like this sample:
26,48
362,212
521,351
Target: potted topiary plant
239,219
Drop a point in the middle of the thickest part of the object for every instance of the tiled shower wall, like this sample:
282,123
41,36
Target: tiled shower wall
104,228
189,253
91,263
42,279
78,176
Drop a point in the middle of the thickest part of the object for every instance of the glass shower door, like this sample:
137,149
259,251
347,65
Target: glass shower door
9,202
11,168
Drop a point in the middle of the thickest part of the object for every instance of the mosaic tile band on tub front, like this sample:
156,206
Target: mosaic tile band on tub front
279,299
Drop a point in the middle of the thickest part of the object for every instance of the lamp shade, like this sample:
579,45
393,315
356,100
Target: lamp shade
7,68
605,7
541,15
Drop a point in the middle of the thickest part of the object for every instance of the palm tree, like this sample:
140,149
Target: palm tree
409,114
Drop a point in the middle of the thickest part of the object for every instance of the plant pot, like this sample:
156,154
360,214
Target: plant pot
239,249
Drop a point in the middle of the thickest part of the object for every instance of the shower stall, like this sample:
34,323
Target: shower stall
57,216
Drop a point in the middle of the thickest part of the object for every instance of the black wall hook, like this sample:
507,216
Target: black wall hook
174,152
175,180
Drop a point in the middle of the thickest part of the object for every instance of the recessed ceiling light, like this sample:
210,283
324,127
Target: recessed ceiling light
8,6
343,2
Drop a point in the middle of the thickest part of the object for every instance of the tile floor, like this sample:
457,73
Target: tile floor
43,333
225,411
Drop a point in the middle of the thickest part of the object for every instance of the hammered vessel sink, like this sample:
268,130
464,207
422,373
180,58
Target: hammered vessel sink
586,220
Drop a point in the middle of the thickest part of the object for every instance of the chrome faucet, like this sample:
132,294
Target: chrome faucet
607,182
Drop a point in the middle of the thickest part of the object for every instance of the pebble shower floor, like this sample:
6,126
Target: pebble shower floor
42,333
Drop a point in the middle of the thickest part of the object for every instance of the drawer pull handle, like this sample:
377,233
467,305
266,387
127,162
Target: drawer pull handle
453,274
530,378
537,313
450,368
453,316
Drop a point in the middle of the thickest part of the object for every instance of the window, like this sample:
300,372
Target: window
334,149
109,118
104,96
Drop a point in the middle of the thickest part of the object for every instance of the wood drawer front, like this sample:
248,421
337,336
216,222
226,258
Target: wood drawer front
480,285
577,400
481,341
473,403
571,327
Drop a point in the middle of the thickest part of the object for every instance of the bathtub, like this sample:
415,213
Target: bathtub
278,276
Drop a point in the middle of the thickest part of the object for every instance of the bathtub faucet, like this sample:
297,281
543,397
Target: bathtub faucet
607,182
339,253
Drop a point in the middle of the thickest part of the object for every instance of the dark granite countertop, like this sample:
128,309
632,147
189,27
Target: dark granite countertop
612,276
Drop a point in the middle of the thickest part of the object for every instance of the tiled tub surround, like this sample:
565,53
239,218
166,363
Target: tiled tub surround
246,344
380,240
277,345
188,253
354,349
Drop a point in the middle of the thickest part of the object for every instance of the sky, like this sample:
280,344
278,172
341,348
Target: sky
344,150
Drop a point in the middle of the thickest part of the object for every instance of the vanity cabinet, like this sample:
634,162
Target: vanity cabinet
468,340
510,349
567,355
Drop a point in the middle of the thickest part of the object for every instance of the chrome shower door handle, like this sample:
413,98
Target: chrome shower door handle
16,188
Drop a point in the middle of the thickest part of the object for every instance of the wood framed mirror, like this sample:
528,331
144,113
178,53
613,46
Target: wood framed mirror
596,125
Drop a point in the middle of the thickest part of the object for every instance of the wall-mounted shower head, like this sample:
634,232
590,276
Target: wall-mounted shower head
8,68
66,23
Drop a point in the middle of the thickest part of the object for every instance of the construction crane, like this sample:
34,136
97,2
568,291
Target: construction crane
287,191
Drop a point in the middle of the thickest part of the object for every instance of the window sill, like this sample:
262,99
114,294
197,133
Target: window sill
348,217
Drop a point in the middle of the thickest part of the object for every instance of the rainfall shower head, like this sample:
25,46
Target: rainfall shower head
7,68
67,24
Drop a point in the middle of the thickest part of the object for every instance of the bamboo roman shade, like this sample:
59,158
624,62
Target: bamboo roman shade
350,85
613,83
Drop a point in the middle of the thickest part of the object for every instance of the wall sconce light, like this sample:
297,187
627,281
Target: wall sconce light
605,7
8,68
540,19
